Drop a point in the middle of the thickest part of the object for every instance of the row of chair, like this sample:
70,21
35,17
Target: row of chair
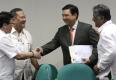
67,72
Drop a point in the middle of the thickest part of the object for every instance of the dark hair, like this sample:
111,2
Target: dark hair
102,10
73,8
5,17
13,11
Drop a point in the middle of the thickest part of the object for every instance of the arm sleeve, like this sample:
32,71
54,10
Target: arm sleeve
52,45
106,51
7,47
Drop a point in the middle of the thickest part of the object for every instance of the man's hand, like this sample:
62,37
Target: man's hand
40,50
36,53
96,69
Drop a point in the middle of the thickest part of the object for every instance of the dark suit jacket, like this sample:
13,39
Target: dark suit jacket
85,35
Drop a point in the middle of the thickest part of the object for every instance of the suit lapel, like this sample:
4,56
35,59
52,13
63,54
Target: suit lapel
67,36
76,34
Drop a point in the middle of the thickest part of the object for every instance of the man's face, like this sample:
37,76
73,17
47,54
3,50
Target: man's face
68,18
98,21
20,19
8,27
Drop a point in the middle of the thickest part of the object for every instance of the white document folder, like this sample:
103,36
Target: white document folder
78,52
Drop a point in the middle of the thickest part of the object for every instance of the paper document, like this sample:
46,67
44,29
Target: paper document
78,52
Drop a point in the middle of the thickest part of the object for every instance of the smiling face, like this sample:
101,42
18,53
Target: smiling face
19,20
69,18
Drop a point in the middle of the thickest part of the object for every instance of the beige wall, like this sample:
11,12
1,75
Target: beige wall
44,17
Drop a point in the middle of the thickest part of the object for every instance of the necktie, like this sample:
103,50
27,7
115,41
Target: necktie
71,35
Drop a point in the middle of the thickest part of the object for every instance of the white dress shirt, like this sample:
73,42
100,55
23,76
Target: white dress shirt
7,54
107,49
24,42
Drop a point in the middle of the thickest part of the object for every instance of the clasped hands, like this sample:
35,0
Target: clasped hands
37,53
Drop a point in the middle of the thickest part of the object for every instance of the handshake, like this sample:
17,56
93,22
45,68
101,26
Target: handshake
37,53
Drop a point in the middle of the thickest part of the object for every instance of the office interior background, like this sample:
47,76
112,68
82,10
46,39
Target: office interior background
44,17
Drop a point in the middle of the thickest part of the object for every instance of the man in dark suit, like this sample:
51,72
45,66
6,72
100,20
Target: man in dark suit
83,34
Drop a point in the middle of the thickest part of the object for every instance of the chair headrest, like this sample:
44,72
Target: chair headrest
46,72
76,71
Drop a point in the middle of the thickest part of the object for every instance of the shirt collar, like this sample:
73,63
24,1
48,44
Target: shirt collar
13,31
105,24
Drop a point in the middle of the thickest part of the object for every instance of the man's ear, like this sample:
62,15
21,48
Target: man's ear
12,21
76,15
4,25
102,18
